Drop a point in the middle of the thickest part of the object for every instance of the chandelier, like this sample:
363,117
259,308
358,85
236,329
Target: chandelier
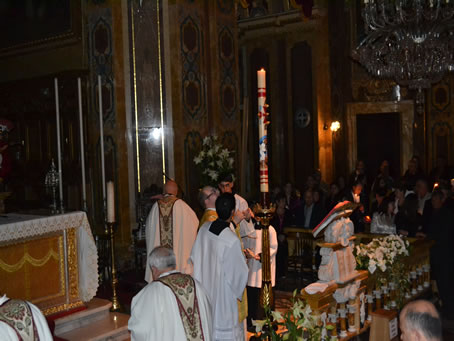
409,41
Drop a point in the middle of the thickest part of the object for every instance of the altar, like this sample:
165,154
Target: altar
51,261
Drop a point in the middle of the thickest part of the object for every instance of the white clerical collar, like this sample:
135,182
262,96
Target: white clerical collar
168,273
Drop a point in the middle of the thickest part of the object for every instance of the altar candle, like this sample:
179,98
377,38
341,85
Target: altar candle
110,202
101,139
263,132
82,154
57,116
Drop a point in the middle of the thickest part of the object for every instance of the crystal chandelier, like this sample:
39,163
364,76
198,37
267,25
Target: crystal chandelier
409,41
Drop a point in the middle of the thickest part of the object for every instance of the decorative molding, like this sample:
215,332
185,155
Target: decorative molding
405,109
101,63
227,90
193,85
69,34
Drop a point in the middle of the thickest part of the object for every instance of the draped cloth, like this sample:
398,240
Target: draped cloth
183,287
22,321
157,310
184,224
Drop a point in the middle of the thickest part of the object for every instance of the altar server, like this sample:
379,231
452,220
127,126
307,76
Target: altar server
254,262
219,264
21,320
172,307
171,223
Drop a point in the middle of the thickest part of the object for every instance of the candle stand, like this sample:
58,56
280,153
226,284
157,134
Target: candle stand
115,302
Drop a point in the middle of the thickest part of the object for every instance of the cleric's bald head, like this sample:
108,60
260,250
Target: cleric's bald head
171,187
419,320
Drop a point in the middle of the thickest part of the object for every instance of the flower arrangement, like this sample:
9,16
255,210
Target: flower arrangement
381,253
213,161
296,324
384,257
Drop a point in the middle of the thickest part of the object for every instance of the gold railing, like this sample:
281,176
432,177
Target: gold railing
353,317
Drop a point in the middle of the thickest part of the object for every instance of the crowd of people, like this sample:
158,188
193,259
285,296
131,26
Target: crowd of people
218,259
415,205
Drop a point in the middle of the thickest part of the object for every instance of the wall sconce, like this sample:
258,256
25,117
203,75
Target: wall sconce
335,126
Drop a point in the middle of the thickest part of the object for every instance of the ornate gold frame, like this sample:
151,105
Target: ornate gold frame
73,35
405,110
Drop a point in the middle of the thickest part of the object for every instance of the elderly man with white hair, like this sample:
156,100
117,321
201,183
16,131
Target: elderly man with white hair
173,306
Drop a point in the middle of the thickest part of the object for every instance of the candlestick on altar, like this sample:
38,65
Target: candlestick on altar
82,153
57,116
264,211
101,139
110,202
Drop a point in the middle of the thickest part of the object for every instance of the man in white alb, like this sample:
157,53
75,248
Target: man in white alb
172,307
220,266
171,223
21,320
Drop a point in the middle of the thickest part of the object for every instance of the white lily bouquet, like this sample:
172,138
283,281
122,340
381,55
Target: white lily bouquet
213,161
384,257
298,323
381,253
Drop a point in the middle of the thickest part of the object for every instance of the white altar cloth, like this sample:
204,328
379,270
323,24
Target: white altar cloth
18,226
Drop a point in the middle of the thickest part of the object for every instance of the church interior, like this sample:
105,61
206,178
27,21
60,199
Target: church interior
108,100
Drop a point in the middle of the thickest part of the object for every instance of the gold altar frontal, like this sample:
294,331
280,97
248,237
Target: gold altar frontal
34,269
50,261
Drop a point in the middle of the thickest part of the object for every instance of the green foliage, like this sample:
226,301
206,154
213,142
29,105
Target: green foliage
298,323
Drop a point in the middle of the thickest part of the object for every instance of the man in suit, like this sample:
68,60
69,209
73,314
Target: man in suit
357,195
310,214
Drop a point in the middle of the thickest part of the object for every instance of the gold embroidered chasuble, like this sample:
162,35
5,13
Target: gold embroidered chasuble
166,220
18,315
184,289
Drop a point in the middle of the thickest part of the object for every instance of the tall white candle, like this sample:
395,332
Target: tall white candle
263,131
57,117
82,153
101,139
261,79
110,202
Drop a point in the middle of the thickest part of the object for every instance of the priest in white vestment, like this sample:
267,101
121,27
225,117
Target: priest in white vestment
172,223
14,317
172,307
220,266
253,252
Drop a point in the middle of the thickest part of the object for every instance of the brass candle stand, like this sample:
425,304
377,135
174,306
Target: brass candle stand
263,215
115,302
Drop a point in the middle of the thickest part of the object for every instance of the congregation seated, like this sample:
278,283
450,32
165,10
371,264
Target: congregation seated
383,218
22,320
383,179
310,214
